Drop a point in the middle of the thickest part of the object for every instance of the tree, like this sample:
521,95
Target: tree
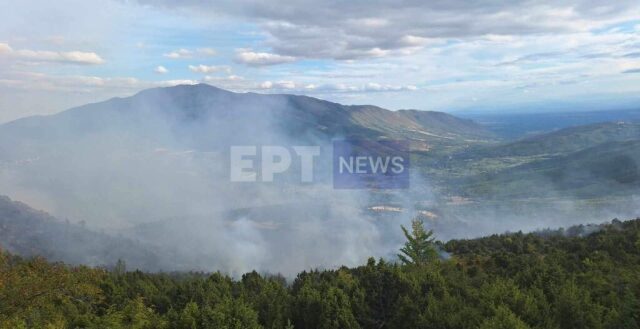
504,319
189,316
136,315
232,314
419,248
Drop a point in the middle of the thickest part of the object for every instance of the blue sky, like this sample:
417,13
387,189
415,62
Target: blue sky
457,55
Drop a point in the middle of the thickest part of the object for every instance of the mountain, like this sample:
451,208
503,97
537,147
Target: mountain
152,170
205,117
591,161
607,169
28,232
566,140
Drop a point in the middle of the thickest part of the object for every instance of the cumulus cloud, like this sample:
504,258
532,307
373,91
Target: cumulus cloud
68,57
161,69
379,87
360,29
5,49
455,50
278,85
231,82
287,85
91,84
184,53
169,83
231,77
180,53
32,81
249,57
208,69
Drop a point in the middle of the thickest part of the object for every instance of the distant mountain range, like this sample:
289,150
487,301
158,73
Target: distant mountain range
151,171
565,140
205,117
176,127
516,125
595,160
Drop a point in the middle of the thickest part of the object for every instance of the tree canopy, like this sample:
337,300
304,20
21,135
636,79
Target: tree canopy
550,279
420,246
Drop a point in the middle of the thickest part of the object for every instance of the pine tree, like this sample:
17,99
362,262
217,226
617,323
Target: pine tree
419,248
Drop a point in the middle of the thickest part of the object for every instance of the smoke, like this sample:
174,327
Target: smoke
154,168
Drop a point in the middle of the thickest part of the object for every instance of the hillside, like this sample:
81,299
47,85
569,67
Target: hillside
610,168
596,160
205,117
28,232
164,152
579,277
154,169
566,140
437,127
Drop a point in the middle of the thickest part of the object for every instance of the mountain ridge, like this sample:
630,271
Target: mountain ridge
299,114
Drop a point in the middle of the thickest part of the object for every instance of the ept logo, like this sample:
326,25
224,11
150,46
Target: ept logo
270,161
363,164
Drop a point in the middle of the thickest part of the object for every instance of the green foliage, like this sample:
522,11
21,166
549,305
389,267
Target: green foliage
232,314
551,279
503,319
419,248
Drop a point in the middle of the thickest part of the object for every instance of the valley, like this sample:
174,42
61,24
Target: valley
152,171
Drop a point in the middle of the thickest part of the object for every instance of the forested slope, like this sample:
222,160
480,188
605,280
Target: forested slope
582,277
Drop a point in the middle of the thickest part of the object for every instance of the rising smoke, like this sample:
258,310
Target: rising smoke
154,168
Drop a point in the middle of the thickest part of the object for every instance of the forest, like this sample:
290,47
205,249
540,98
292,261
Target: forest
580,277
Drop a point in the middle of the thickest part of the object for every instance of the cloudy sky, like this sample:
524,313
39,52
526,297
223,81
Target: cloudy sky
449,55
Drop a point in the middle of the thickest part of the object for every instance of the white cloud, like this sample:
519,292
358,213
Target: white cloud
5,48
83,83
231,82
249,57
278,85
69,57
358,29
180,53
206,51
370,22
208,69
414,41
183,53
169,83
287,85
266,85
161,69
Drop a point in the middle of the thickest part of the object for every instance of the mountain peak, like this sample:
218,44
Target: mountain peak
183,89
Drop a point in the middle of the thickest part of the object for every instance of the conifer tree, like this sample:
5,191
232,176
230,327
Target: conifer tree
419,248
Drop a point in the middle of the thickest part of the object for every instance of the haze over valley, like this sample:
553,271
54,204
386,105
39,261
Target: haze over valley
152,171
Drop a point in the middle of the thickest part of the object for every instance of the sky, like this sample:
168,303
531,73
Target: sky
453,55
